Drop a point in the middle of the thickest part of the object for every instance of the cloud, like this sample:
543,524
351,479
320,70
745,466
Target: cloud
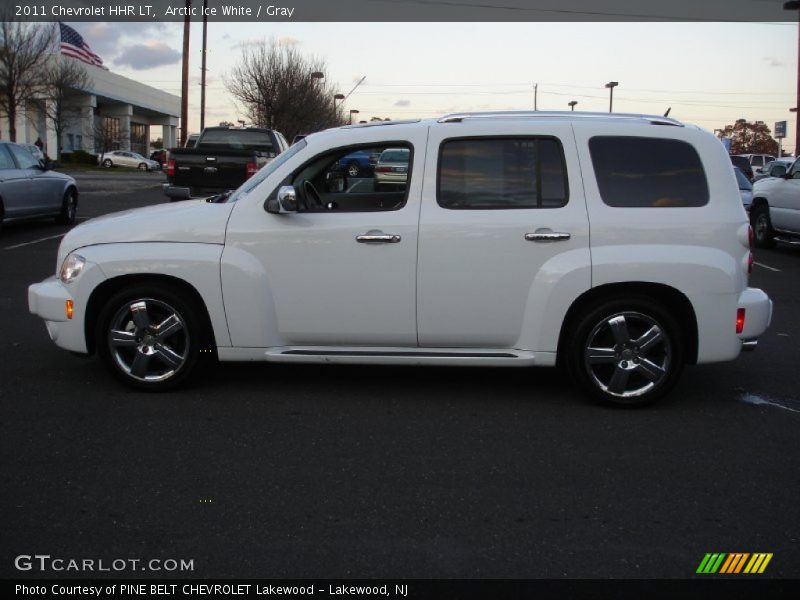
403,102
147,56
774,62
106,39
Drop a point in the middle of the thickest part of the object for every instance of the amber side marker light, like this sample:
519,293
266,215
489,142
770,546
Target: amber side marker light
69,308
739,320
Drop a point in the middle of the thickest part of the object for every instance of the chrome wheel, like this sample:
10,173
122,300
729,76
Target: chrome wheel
353,169
628,354
142,167
149,340
107,163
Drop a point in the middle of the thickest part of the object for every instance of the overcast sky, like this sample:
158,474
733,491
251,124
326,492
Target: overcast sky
709,73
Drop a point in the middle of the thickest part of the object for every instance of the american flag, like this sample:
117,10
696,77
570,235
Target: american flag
72,44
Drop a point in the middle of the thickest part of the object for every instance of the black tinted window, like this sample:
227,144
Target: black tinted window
237,138
502,173
648,172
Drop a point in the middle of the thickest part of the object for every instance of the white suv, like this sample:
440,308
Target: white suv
615,245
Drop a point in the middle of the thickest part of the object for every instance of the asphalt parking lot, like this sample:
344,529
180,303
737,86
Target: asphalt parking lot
340,472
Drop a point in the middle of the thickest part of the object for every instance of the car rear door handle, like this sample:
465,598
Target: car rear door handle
377,237
547,235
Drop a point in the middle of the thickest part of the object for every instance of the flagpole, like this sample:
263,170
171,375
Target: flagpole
203,68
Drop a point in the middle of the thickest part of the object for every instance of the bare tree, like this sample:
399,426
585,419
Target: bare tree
24,50
63,77
275,86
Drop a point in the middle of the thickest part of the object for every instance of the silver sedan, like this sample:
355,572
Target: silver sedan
124,158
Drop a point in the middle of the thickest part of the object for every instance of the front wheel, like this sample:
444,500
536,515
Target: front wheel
107,163
142,167
353,169
626,353
151,338
762,228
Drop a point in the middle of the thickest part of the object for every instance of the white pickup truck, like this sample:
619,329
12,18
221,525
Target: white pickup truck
614,244
775,211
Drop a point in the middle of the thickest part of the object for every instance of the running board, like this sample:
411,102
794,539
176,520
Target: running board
391,356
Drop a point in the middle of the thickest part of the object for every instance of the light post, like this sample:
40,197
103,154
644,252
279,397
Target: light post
335,98
353,112
611,85
795,5
572,104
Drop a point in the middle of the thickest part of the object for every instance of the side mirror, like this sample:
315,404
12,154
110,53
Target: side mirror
285,202
48,165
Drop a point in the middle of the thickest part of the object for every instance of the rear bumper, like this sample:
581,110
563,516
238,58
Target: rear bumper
758,315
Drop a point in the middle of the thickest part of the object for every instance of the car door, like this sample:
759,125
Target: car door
340,272
501,217
784,202
35,196
14,188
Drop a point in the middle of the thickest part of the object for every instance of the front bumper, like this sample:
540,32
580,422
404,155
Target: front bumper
48,301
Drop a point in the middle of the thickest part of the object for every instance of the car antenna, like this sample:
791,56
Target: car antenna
666,114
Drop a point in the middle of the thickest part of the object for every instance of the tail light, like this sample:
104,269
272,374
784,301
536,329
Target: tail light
383,169
171,167
751,236
739,320
252,169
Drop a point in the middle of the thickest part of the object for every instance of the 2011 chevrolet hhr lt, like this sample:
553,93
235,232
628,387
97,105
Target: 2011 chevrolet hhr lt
614,245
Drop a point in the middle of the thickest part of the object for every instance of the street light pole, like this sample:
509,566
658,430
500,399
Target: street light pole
572,104
335,98
611,85
795,5
353,112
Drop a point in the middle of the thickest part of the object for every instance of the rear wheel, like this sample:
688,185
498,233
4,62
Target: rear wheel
626,352
762,228
152,337
69,207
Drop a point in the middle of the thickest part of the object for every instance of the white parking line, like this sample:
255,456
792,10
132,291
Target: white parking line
763,266
44,239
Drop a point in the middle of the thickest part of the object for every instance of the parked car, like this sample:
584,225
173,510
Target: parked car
34,150
392,168
775,212
743,164
758,160
776,168
607,243
222,159
29,188
358,164
125,158
745,188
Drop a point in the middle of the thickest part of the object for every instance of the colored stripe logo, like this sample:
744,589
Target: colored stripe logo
734,563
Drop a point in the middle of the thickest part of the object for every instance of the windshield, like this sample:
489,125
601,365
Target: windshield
744,183
267,170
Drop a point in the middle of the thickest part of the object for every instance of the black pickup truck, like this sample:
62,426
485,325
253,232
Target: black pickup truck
222,159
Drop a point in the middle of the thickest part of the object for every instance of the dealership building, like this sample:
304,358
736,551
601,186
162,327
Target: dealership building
114,113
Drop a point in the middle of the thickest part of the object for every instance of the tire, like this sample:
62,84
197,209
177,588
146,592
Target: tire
353,169
762,228
69,207
637,352
142,167
107,163
138,354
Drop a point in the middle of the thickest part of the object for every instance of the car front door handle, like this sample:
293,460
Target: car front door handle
377,237
547,235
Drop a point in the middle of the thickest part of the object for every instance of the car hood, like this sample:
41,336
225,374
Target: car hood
195,221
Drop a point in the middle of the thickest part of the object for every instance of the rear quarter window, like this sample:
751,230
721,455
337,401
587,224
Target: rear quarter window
639,172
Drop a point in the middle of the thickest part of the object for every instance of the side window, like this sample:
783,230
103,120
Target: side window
355,179
24,159
635,172
757,161
795,172
501,173
5,158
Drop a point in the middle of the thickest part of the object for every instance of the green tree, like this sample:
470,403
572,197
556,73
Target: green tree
749,138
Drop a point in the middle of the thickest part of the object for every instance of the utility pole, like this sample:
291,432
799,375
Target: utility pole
611,85
795,5
535,96
187,21
203,68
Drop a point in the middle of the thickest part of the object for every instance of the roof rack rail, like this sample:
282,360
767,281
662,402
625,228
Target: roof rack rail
541,114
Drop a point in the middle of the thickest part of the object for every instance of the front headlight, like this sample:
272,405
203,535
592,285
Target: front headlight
72,267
